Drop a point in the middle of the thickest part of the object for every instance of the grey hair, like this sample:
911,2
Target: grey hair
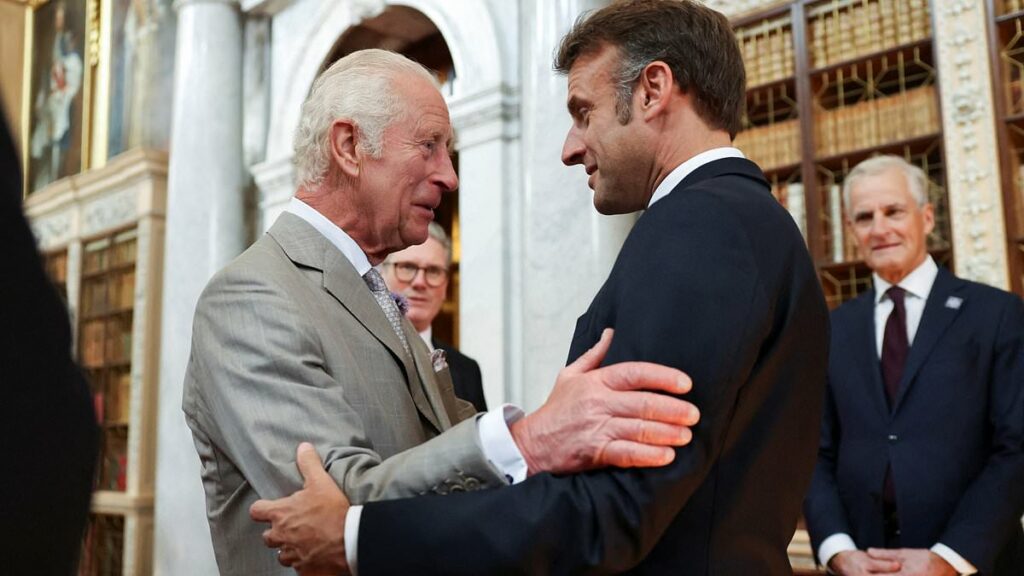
917,180
435,231
359,87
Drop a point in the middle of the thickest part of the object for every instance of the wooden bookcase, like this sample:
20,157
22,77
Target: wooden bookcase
831,83
101,233
105,346
1006,40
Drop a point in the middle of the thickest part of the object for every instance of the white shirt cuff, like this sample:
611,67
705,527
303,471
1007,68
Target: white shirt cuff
355,513
834,544
955,560
497,443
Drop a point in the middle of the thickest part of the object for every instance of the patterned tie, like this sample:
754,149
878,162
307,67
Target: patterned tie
387,304
895,345
895,348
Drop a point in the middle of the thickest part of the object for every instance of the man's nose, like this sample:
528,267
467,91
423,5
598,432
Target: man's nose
573,149
879,224
419,280
447,179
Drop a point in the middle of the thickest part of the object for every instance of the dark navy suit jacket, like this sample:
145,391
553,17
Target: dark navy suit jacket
954,436
714,279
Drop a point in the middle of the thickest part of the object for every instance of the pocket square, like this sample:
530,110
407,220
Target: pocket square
439,360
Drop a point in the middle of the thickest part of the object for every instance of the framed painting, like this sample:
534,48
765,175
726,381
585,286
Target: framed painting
142,35
58,84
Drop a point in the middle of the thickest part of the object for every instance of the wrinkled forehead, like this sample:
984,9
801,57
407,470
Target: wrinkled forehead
887,187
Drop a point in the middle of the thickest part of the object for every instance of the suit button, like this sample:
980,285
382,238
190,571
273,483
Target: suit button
893,438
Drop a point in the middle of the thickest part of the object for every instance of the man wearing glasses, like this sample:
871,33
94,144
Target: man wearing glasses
420,274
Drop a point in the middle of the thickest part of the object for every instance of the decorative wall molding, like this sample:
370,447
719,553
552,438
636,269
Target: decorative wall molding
99,200
485,115
272,177
54,230
972,159
112,211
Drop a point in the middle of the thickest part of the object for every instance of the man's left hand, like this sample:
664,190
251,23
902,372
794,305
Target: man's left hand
915,561
308,527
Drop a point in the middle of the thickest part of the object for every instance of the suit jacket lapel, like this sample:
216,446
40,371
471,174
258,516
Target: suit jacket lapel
936,318
307,247
867,348
429,392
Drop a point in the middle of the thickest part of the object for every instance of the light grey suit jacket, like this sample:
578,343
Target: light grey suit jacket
289,345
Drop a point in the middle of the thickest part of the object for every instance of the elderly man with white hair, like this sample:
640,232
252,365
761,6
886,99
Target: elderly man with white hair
299,340
921,465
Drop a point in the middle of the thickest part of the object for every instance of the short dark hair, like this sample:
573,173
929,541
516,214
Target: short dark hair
696,42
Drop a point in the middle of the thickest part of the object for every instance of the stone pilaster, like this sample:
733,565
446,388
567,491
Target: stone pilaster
205,229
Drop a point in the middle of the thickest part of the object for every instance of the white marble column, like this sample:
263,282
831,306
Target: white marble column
205,229
567,247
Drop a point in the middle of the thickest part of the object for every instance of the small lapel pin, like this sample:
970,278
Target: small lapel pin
954,303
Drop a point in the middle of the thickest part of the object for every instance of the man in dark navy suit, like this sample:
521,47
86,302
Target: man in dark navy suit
713,279
921,468
420,273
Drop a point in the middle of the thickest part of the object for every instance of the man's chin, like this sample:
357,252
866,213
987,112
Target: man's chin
414,237
611,207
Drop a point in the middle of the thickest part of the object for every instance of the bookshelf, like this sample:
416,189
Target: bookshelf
56,266
841,81
101,233
1006,40
105,344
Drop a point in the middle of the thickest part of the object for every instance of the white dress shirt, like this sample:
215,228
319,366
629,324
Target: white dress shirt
918,285
495,439
428,337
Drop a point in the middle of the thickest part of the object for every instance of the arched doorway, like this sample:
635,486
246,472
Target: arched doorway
409,32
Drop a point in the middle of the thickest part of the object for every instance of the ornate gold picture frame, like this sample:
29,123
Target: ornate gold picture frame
61,53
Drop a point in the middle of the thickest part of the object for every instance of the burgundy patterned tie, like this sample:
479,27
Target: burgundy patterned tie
895,348
894,345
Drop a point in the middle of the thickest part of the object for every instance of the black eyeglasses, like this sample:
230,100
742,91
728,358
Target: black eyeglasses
407,271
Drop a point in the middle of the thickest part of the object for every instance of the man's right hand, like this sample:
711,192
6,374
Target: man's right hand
858,563
597,417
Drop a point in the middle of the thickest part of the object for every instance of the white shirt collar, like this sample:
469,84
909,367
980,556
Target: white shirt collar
918,283
333,233
686,168
428,337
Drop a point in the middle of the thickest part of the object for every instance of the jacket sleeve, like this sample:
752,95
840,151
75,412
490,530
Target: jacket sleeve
823,509
991,507
256,404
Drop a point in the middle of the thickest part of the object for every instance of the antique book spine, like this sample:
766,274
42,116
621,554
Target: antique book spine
836,221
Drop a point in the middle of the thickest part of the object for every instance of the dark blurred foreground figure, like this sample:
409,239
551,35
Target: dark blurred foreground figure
47,425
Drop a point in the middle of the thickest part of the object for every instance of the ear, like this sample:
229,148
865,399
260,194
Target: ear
655,89
928,213
344,146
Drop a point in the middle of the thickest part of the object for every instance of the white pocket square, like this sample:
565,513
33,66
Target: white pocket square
439,360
